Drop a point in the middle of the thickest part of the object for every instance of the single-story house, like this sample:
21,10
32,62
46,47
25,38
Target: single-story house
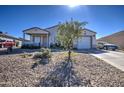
47,36
6,37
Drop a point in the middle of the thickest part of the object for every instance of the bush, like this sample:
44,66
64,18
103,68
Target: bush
44,53
56,45
37,55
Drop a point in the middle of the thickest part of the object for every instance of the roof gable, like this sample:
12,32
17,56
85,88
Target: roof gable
35,30
82,29
89,30
52,27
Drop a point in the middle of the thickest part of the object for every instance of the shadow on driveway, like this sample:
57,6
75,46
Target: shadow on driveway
91,51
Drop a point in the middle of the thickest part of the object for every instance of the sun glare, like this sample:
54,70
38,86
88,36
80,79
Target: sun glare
72,6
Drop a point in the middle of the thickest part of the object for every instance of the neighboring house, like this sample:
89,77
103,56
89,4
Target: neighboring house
46,37
115,38
6,37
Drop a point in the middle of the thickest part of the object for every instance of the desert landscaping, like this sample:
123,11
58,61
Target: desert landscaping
18,70
63,55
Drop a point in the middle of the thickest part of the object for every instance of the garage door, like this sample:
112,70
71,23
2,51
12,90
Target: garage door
84,43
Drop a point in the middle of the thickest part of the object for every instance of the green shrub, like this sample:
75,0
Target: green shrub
37,55
44,53
55,45
43,56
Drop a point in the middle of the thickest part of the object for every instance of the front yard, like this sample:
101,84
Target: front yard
16,70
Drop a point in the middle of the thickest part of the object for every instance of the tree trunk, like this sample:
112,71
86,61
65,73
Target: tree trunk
69,55
69,68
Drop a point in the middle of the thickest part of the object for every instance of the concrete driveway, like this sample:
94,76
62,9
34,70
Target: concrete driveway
112,57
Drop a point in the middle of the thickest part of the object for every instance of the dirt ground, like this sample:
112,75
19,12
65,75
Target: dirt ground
17,71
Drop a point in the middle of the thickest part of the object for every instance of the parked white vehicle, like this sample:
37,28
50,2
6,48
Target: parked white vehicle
107,46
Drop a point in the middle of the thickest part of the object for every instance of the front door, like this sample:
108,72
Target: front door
42,40
38,40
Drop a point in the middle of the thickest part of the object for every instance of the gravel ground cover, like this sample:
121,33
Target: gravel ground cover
16,71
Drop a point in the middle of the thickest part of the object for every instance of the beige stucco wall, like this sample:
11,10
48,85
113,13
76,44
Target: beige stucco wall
94,41
53,34
93,35
87,32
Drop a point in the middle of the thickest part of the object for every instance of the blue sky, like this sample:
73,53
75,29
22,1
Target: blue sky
104,20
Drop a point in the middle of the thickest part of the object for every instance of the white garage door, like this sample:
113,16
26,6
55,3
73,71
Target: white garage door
84,43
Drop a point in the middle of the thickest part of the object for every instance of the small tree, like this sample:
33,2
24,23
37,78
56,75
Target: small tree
68,32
